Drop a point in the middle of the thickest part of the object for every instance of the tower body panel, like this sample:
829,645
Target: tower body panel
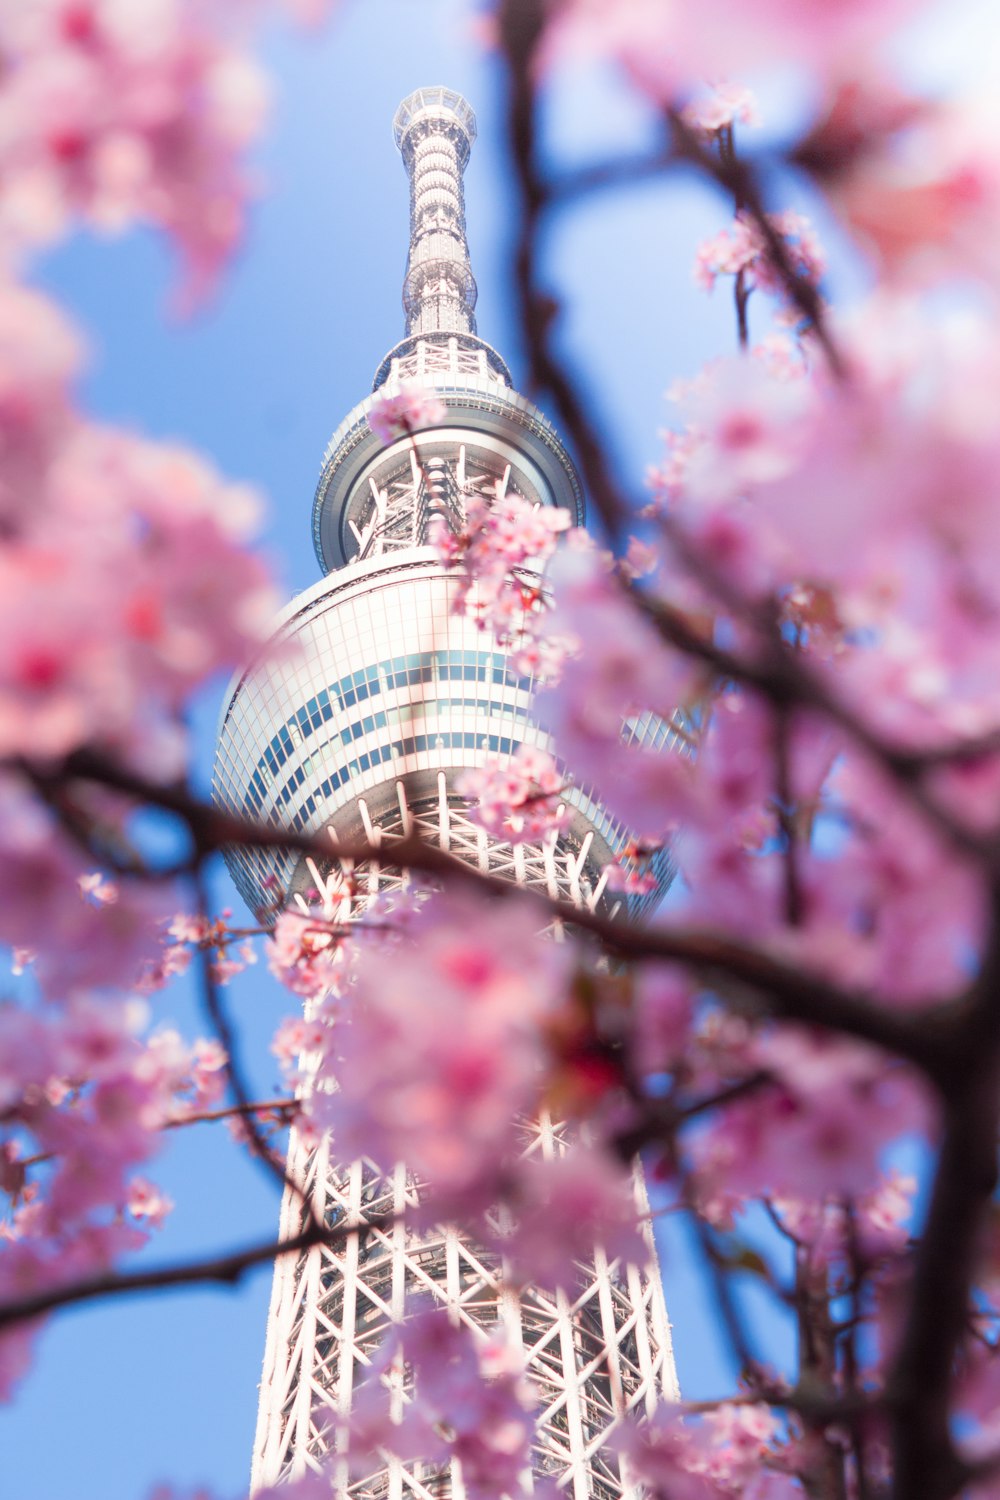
374,689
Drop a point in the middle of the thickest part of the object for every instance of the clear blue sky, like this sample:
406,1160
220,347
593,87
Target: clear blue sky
153,1389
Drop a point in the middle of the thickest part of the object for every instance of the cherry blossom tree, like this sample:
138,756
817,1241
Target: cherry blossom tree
806,590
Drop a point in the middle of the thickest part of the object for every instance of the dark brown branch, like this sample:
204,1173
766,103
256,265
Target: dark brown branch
739,180
226,1269
852,1360
787,822
520,24
719,1274
284,1107
660,1119
789,991
927,1465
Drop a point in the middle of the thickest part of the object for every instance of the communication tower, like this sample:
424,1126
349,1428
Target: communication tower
361,729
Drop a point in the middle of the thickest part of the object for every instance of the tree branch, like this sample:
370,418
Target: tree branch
785,990
227,1269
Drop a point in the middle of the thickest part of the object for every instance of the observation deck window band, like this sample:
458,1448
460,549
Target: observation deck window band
634,731
496,712
580,797
401,749
386,676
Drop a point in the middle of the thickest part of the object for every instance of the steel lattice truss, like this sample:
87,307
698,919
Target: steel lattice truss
592,1359
404,503
564,869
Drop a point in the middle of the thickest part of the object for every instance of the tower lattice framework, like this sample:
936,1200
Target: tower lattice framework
360,729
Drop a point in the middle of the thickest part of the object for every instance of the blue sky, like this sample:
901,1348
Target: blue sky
152,1389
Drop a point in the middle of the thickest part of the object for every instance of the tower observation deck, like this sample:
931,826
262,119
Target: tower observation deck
372,700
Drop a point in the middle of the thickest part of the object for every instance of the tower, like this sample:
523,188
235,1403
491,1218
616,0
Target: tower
362,728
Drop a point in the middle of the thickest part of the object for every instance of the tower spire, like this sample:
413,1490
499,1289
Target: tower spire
434,130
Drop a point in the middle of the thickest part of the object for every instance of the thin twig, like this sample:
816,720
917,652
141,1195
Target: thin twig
216,1011
283,1107
786,810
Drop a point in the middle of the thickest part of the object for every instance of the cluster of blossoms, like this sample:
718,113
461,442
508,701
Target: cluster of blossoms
409,409
445,1046
662,46
916,181
439,1076
500,556
138,549
740,251
733,1451
631,871
307,954
125,584
840,514
113,114
83,1101
517,797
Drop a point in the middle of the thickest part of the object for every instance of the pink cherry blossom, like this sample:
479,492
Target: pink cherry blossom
503,548
188,929
741,251
147,1203
374,1431
307,953
723,104
566,1207
209,1062
441,1048
516,797
663,45
410,408
115,122
629,878
917,183
297,1035
667,1456
74,944
822,1130
472,1391
747,427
